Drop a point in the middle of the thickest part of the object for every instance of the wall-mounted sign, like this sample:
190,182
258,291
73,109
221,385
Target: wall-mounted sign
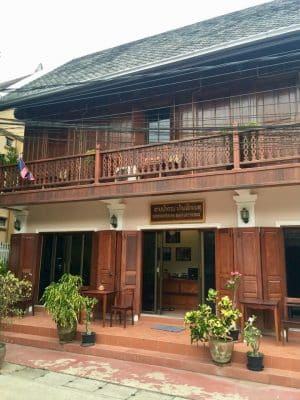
184,211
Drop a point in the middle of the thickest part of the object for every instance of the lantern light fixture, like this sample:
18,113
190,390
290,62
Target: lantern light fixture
245,215
114,221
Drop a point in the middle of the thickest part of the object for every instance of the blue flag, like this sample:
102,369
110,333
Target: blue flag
24,171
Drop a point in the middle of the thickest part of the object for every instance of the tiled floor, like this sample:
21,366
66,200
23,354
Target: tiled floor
142,343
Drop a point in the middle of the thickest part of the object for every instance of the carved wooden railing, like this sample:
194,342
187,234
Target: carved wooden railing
260,147
64,171
157,160
232,150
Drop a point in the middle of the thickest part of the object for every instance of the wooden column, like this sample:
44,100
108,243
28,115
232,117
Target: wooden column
97,164
236,147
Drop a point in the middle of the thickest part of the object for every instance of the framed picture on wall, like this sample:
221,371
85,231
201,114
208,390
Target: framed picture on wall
172,237
183,254
167,255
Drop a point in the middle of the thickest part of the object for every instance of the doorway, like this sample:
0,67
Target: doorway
292,257
178,270
65,253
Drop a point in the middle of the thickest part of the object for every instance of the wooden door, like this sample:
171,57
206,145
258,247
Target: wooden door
25,257
131,265
247,261
273,263
104,260
14,254
224,257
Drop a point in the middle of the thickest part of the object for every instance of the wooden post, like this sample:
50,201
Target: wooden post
236,147
97,164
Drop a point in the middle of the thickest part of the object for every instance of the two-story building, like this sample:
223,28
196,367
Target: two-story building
166,163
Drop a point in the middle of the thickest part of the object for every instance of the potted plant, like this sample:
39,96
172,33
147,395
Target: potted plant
211,323
64,302
233,285
12,291
88,337
252,337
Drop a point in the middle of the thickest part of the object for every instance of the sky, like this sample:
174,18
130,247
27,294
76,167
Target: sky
53,32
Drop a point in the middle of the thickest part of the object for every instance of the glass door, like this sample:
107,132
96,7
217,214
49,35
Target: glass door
152,272
65,253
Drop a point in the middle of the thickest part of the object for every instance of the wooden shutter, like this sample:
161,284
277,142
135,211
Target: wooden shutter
247,262
273,264
25,257
14,254
104,255
224,258
131,264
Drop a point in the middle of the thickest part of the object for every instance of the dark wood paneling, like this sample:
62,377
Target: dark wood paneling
248,262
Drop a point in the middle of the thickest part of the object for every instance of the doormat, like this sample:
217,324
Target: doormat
168,328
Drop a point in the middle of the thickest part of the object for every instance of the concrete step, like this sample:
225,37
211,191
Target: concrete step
202,364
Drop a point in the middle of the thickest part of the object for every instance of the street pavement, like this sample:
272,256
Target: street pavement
40,374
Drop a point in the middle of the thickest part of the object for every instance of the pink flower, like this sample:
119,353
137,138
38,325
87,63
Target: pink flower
233,283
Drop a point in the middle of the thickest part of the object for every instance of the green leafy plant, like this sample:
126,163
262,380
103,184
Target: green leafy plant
63,300
3,267
252,336
88,306
12,291
212,321
10,157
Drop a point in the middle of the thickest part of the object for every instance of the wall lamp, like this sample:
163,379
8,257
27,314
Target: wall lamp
17,225
114,221
245,215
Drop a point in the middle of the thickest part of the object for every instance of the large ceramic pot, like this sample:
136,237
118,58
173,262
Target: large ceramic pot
2,353
255,363
66,334
220,351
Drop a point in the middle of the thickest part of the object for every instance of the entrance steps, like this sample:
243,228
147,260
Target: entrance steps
141,343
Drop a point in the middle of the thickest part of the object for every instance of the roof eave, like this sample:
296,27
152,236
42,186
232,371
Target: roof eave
171,60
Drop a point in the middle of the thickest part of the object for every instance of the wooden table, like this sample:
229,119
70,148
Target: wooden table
256,304
101,296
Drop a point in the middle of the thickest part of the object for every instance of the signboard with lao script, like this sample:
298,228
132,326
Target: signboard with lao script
185,211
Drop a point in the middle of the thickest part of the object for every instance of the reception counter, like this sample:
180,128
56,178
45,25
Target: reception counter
180,293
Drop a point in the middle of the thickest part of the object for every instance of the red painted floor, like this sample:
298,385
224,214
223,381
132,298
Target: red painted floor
160,379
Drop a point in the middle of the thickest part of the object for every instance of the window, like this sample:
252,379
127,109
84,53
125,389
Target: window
159,125
2,222
9,142
118,134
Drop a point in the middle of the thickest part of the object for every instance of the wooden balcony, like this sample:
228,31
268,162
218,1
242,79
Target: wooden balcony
229,160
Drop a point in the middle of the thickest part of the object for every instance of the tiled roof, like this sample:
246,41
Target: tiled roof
7,84
180,43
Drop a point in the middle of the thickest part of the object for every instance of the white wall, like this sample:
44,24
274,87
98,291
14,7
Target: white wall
68,216
278,204
272,205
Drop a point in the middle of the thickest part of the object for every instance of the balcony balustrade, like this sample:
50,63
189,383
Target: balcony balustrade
203,154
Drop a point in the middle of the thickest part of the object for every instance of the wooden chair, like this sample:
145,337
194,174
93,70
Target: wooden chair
290,320
123,302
